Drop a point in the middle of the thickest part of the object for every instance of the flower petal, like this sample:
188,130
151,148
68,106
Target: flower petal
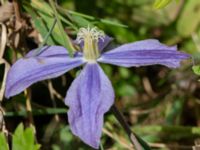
143,53
102,43
89,97
51,62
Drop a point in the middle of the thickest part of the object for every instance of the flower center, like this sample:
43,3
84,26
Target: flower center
90,38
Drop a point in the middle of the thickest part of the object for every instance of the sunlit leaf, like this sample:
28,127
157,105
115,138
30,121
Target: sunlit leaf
24,139
196,69
3,142
189,18
161,3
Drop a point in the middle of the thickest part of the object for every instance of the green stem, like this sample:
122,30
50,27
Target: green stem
48,34
135,140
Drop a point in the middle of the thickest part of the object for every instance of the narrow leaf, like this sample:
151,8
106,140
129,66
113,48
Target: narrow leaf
158,4
66,40
189,18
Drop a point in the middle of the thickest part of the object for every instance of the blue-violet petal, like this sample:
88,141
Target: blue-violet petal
89,97
50,62
143,53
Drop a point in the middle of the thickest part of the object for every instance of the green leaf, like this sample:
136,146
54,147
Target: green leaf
158,4
189,18
24,139
3,142
66,40
44,8
80,21
124,73
18,139
91,18
196,69
125,89
174,111
49,12
56,34
169,132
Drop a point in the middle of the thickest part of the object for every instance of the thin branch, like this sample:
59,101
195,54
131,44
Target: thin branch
29,107
17,10
121,142
126,127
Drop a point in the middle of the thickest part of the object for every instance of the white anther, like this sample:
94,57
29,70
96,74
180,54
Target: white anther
93,33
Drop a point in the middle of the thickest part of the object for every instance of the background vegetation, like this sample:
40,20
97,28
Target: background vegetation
162,106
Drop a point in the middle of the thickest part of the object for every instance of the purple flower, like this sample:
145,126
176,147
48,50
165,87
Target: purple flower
91,94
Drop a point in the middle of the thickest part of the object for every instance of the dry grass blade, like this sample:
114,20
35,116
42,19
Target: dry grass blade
6,11
122,143
2,61
3,39
1,118
7,67
53,92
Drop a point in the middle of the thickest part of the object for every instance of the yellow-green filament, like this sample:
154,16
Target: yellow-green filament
90,36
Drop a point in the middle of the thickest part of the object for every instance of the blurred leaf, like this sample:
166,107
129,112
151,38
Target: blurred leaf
196,69
91,18
3,142
24,139
42,6
55,147
101,146
174,111
168,132
161,3
38,112
108,69
124,72
125,90
80,21
189,18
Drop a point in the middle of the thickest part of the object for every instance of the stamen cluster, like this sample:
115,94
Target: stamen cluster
90,38
94,33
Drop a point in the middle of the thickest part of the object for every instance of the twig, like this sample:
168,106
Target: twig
53,94
2,122
29,107
126,127
3,41
122,143
17,10
3,85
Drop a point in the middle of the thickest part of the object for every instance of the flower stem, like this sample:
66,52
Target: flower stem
126,127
